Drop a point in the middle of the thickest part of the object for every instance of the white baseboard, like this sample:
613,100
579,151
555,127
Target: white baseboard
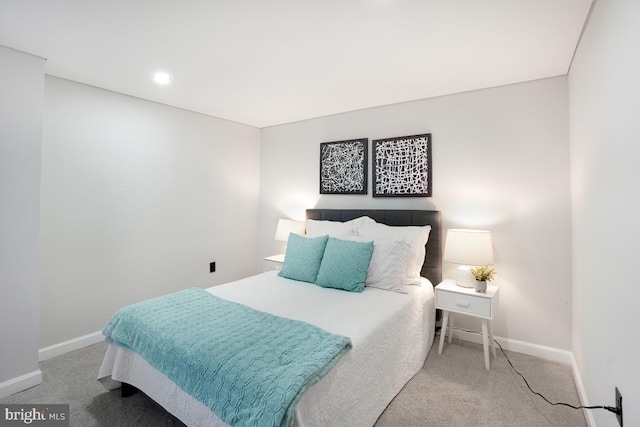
20,383
541,351
544,352
34,378
582,393
67,346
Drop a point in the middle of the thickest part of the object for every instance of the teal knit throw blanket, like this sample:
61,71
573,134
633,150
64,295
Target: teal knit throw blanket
249,367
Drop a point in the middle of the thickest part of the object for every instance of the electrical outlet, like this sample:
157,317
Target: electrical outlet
619,406
212,267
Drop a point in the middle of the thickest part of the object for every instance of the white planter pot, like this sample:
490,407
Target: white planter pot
481,286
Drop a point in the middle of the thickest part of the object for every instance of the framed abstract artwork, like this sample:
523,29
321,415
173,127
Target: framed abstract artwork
402,166
343,166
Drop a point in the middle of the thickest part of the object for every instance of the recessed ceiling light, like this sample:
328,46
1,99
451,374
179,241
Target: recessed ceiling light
162,78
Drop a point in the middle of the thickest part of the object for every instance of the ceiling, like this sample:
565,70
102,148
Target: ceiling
268,62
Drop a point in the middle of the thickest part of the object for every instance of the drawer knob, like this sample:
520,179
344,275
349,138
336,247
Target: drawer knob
462,303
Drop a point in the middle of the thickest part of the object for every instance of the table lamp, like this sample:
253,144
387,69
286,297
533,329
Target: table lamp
469,248
286,226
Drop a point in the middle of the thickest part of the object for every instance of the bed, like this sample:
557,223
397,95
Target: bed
390,333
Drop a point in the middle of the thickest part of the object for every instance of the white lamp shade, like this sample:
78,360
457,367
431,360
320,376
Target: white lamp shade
286,226
468,247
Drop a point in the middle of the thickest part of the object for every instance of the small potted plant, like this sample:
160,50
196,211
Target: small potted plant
483,274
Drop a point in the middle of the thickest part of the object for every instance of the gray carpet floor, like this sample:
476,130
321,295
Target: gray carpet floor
452,389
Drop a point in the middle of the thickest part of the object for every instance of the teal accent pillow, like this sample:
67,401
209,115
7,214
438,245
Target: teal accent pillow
303,257
345,264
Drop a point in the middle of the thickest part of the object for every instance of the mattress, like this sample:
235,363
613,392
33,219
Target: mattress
391,334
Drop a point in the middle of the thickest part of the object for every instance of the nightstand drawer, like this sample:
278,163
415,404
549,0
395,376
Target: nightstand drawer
273,262
271,265
461,303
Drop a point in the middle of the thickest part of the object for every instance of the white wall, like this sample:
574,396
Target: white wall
21,103
604,97
137,199
500,161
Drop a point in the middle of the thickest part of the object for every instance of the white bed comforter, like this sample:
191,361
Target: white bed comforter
391,335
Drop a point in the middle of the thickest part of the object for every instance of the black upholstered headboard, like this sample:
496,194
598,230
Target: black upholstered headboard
432,267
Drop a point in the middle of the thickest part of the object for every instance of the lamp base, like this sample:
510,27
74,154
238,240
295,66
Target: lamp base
464,277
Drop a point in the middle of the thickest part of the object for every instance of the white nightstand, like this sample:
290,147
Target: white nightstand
451,299
273,262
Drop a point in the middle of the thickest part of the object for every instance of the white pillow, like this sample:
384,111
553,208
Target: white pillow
388,265
415,235
316,228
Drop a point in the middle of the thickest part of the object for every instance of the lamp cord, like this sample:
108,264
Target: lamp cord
608,408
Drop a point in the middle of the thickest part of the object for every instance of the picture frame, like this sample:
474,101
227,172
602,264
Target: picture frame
343,166
401,166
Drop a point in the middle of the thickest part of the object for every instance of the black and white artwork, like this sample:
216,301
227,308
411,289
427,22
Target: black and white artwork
402,166
343,166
